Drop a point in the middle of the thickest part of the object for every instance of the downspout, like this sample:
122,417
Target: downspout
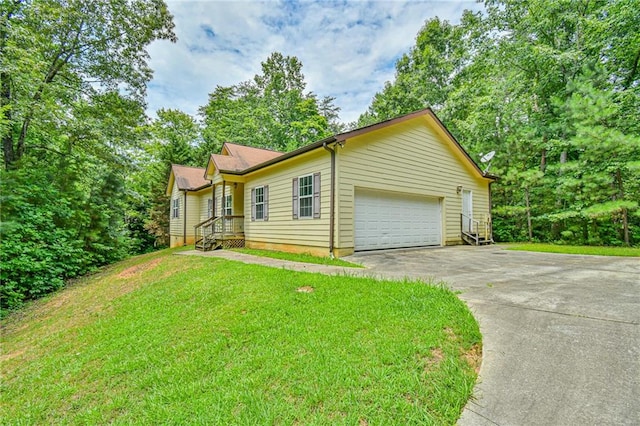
332,197
184,222
490,214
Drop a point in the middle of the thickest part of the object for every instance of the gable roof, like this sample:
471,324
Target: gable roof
341,137
236,158
240,159
187,178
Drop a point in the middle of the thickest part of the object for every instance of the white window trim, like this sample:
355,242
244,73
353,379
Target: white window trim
175,210
228,208
300,196
259,203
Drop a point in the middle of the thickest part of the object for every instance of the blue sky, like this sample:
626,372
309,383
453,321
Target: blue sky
348,49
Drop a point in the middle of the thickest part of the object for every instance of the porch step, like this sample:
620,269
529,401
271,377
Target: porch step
475,239
208,243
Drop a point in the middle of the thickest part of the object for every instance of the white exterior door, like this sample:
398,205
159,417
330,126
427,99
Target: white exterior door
392,220
467,211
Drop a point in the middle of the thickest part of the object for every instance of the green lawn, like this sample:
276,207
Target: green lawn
298,257
163,339
588,250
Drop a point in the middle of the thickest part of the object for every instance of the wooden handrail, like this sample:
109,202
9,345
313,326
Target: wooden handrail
474,230
204,222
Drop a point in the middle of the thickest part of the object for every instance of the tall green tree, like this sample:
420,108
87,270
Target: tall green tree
54,52
554,88
426,75
73,75
172,138
271,111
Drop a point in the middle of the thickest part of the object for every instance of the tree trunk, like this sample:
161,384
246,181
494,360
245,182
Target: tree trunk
625,227
7,137
543,160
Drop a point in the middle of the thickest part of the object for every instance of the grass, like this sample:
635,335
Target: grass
299,257
167,339
587,250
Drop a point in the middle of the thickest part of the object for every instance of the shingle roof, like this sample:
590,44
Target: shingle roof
189,178
242,157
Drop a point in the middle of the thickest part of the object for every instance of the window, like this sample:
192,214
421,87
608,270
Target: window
228,205
209,208
305,191
306,196
175,212
260,203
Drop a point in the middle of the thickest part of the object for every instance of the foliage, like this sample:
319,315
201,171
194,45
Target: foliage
181,339
49,235
72,84
172,138
554,88
271,111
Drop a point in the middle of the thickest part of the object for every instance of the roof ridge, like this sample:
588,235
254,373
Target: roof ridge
189,167
253,147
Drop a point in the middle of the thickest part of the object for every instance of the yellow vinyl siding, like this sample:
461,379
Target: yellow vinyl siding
281,228
410,158
204,198
175,224
237,198
192,216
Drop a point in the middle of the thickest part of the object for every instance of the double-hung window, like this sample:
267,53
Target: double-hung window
209,207
259,203
228,205
305,196
175,211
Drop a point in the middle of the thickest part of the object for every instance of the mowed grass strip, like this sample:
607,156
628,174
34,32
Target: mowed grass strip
183,339
585,250
298,257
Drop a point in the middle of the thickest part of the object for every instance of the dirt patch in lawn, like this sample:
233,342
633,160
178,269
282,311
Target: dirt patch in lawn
474,357
305,289
137,269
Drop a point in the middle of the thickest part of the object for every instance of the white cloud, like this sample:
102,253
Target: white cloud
348,48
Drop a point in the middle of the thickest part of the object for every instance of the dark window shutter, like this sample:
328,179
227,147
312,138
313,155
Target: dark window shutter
295,198
265,192
316,195
253,204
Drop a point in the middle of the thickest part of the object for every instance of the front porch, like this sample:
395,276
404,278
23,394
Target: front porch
220,232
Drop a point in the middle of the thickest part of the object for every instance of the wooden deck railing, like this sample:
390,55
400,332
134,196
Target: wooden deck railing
219,227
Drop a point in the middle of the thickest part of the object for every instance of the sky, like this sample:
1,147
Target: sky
348,49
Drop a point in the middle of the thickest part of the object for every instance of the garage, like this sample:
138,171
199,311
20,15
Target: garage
385,220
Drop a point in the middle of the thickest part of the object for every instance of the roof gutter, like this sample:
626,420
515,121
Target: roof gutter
332,196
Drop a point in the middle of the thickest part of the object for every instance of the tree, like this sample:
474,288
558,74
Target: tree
270,111
72,84
427,74
554,88
55,52
172,139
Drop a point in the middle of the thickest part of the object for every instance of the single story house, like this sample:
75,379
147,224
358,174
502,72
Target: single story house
404,182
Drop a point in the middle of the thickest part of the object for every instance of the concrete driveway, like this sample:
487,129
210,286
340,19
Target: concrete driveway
561,332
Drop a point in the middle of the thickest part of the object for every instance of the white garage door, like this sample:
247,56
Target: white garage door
392,220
